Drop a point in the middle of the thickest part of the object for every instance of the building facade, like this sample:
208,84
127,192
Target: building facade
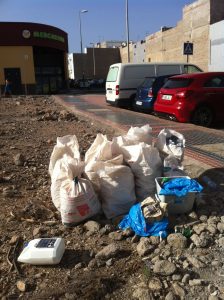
201,25
33,57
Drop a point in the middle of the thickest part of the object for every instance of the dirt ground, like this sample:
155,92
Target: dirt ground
28,132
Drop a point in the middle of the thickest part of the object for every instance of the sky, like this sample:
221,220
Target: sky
104,21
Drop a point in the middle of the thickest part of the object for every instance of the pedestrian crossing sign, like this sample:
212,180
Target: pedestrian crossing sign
188,48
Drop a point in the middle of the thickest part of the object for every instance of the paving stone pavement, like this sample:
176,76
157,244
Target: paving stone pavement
205,145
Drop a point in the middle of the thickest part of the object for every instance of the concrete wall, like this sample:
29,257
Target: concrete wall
104,57
217,47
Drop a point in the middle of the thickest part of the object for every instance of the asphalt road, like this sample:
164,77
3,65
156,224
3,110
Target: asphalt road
203,144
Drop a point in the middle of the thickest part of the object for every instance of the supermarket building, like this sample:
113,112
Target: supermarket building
33,57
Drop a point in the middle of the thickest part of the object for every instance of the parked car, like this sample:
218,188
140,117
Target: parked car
124,78
147,92
196,98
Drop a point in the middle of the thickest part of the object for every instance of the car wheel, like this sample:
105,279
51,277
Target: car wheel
117,103
203,116
132,102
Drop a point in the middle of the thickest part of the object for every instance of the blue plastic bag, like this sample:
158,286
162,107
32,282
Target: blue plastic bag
180,187
136,221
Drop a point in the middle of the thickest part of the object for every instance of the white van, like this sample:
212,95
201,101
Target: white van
123,79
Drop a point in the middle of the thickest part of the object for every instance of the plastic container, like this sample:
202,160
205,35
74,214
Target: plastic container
176,205
43,251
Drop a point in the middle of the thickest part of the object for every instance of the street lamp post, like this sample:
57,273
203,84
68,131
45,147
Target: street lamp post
80,27
94,61
127,30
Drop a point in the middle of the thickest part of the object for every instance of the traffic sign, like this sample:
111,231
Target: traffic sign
188,48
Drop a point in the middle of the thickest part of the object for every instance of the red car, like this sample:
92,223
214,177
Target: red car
196,98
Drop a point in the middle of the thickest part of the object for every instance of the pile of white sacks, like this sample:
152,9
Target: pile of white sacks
114,175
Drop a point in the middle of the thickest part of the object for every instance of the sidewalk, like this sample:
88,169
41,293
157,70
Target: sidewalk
202,144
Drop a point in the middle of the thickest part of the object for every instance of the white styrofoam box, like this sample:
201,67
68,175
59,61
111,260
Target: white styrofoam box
176,205
43,251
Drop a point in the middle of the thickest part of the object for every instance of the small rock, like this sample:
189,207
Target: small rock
220,227
154,240
179,291
195,282
211,297
142,294
185,264
171,296
213,219
116,236
111,250
92,226
193,216
78,266
211,288
186,278
19,159
36,231
212,228
144,247
13,240
155,284
109,262
221,242
164,267
176,277
195,262
199,242
108,228
199,228
177,241
203,218
21,286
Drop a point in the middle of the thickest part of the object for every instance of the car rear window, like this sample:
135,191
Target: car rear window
177,83
112,74
148,82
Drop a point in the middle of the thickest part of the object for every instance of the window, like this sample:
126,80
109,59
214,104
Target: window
135,72
177,83
148,82
112,74
217,81
191,69
168,69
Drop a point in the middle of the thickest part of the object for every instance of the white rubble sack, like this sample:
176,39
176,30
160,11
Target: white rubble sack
67,144
171,142
134,136
72,195
78,201
100,150
117,189
145,163
111,179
